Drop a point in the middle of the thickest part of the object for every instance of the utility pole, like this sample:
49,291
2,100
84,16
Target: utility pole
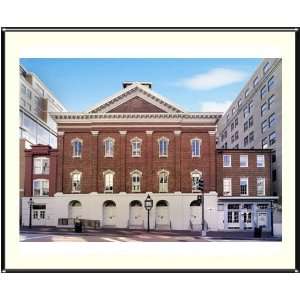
201,198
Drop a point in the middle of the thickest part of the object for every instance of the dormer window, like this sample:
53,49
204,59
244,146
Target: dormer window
163,143
136,146
77,147
109,147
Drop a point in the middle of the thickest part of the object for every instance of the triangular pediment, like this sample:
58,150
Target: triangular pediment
137,105
136,99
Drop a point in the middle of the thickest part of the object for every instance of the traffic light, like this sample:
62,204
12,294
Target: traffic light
201,184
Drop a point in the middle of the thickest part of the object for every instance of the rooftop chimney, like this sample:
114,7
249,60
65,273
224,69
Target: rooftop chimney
128,83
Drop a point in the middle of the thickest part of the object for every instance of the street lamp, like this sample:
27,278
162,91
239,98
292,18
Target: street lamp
148,206
30,203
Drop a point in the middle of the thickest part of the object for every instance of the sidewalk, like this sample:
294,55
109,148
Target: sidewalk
211,235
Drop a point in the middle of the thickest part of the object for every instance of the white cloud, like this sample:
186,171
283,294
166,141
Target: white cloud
214,78
215,106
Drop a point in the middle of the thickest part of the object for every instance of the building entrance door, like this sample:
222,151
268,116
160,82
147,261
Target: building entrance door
136,213
233,216
109,214
39,217
248,216
162,217
195,215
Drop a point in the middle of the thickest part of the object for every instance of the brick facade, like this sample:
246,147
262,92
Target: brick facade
179,162
40,151
235,172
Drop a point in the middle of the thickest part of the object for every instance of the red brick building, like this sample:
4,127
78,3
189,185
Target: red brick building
133,144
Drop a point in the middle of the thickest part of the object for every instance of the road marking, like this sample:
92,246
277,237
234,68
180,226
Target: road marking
25,238
124,239
109,239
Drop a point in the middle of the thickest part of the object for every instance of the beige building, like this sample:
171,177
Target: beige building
254,118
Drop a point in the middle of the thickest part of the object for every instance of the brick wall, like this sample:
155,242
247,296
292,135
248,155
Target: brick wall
179,162
235,172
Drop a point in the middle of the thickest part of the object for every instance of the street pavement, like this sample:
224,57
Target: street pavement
52,234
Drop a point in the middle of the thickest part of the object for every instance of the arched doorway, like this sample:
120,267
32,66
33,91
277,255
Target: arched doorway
75,210
136,218
162,215
195,215
109,213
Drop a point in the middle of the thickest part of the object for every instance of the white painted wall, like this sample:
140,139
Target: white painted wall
92,208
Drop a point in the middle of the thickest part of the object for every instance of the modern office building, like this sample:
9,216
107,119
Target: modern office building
36,125
136,144
253,121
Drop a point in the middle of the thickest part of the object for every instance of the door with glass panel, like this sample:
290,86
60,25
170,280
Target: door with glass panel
247,216
38,215
233,214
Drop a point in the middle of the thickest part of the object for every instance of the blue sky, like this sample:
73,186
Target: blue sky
194,84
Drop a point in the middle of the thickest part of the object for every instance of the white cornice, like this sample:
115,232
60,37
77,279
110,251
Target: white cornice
80,118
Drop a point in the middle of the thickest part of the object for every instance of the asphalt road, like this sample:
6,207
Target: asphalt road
108,237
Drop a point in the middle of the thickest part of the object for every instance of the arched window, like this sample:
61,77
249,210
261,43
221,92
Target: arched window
162,203
196,147
136,146
41,165
109,203
40,187
163,144
109,147
195,203
163,179
77,147
195,175
76,181
136,180
108,181
135,203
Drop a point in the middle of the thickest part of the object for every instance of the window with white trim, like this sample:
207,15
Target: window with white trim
109,147
163,177
163,144
77,147
243,161
40,187
196,147
260,186
108,181
244,186
76,181
41,165
260,161
226,160
227,187
136,145
196,176
136,181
